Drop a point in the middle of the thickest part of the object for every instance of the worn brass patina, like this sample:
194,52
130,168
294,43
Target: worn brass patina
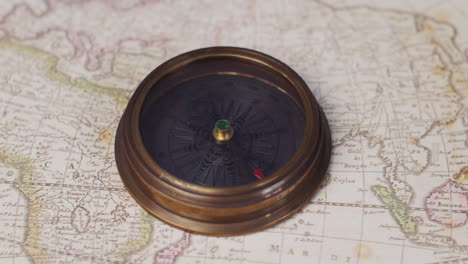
226,210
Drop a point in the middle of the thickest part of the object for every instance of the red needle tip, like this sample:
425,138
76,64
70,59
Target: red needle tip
259,174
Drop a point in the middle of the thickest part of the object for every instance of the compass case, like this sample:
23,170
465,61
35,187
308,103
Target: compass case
223,210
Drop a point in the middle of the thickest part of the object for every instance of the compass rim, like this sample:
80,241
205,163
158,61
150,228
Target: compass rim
150,184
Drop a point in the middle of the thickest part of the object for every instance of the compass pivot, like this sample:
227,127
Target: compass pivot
223,131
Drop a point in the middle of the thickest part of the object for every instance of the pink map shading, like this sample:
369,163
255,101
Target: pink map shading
168,254
448,205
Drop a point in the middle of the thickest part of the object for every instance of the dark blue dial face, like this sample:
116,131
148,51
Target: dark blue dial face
177,129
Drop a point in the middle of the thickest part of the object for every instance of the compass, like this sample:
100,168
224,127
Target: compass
222,141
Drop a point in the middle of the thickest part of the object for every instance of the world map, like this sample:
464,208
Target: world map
391,77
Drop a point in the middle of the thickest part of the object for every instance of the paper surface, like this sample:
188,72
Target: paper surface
391,77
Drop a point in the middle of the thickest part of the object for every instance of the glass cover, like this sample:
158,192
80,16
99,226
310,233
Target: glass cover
221,130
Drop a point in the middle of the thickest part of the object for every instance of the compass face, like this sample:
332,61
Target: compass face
221,130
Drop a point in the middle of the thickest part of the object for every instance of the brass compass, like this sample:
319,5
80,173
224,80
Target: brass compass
222,141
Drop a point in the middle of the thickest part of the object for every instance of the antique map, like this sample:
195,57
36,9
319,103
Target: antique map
392,77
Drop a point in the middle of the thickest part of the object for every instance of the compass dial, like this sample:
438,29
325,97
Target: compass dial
221,130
